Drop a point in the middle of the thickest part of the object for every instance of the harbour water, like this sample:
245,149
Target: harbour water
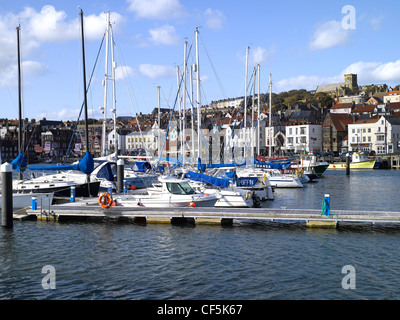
247,261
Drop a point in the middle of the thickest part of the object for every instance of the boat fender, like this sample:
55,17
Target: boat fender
105,200
132,187
192,204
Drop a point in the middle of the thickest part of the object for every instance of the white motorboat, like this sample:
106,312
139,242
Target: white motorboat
169,192
279,180
227,197
248,179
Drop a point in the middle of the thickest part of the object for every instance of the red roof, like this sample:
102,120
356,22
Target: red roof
393,93
340,121
360,108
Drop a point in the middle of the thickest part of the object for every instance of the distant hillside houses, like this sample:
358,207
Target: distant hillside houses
337,117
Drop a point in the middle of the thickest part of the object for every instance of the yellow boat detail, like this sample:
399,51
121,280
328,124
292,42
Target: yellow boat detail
358,162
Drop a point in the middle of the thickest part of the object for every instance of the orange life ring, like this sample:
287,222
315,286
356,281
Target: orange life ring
105,200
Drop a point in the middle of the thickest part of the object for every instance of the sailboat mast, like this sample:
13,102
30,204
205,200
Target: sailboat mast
103,137
184,103
245,100
270,117
159,126
245,87
19,91
198,97
180,109
258,110
192,113
114,110
252,113
84,84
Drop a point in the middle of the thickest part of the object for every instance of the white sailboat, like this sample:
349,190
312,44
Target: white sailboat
61,184
22,200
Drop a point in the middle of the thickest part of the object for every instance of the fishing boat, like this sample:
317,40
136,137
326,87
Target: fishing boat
169,192
310,165
358,161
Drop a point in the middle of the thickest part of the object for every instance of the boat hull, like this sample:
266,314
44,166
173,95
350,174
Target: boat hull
285,183
90,189
154,202
370,164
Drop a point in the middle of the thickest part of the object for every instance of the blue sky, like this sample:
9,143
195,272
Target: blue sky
302,44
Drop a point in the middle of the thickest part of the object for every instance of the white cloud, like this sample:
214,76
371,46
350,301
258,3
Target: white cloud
329,34
123,71
48,25
164,35
375,72
260,55
62,114
157,71
214,19
308,82
156,9
367,73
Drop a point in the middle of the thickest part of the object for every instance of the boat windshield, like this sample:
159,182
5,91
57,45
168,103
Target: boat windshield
180,188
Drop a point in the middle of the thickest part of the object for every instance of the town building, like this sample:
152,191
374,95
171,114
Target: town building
334,132
304,138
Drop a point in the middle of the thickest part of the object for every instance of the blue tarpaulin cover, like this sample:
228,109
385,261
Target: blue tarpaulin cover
272,164
86,165
19,163
218,182
141,166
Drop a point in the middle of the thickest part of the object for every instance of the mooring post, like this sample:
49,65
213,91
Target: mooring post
120,175
7,195
72,194
347,164
34,203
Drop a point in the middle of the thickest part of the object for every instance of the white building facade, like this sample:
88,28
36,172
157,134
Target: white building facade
304,138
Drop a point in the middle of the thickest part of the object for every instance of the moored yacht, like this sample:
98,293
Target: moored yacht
169,192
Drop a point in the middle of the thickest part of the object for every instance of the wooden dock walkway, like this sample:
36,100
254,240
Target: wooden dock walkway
313,217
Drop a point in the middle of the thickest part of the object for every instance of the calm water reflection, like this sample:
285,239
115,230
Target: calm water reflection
250,260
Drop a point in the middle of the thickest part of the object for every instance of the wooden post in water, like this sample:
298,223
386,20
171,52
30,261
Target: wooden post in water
7,198
347,164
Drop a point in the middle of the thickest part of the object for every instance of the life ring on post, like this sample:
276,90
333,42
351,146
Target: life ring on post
105,200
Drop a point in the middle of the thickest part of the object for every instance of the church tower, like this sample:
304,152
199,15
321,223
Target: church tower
350,81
